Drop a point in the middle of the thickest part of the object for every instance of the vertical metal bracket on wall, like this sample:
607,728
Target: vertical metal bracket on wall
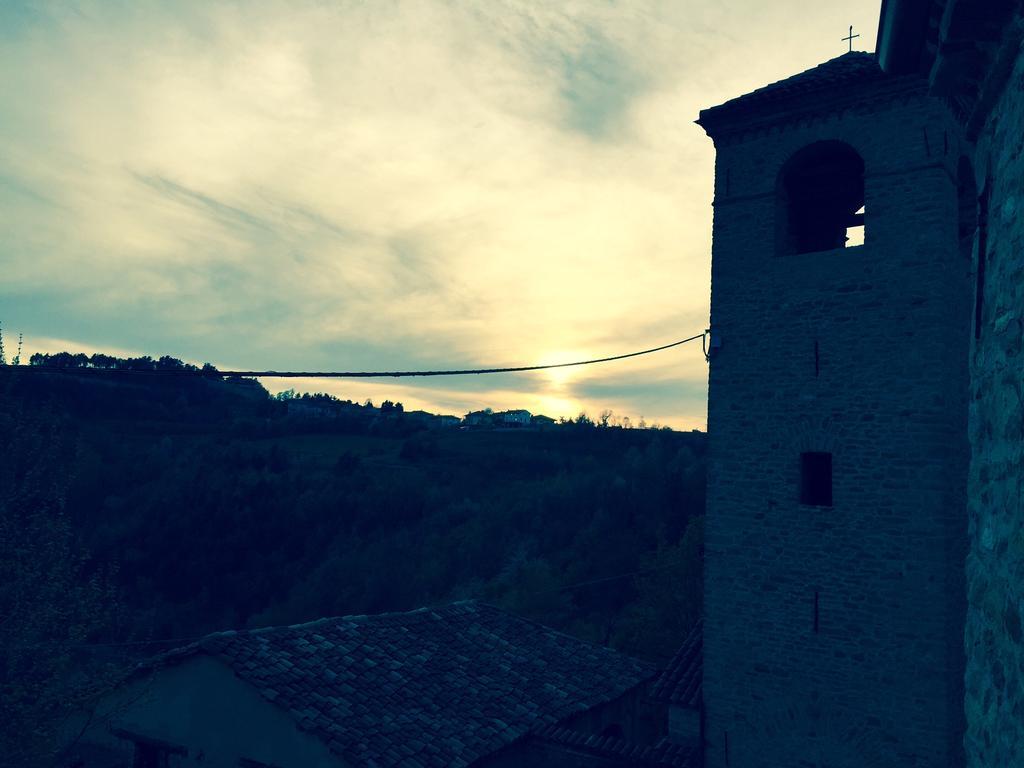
712,342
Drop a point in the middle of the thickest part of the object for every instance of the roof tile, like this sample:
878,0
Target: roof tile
843,71
448,684
680,683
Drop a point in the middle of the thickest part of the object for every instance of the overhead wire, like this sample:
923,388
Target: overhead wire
271,374
362,375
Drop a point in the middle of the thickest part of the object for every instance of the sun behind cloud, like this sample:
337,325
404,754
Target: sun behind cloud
414,184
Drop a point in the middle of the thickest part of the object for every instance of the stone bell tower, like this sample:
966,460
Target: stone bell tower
836,530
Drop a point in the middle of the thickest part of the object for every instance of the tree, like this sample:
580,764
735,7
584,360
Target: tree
671,596
60,360
168,363
16,360
99,360
583,420
51,597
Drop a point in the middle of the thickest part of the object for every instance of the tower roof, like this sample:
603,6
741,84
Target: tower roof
831,77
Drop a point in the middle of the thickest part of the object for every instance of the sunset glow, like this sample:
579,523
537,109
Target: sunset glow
416,184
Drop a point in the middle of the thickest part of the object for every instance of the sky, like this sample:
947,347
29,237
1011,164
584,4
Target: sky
384,184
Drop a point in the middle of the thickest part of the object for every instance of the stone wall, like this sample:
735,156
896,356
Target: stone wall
879,682
995,565
683,725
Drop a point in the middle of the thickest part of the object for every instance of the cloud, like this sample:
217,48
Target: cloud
204,205
412,183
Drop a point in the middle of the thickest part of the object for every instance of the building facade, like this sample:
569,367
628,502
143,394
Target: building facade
971,55
835,544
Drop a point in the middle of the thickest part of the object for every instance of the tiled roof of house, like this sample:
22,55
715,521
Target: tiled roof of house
855,67
433,687
680,683
664,754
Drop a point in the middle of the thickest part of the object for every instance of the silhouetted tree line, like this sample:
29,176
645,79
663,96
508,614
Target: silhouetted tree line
218,509
109,362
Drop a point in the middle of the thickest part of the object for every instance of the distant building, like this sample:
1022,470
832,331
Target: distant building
479,418
542,421
307,409
420,417
517,418
460,685
433,420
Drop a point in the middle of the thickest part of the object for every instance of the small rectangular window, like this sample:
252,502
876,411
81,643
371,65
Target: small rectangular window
816,478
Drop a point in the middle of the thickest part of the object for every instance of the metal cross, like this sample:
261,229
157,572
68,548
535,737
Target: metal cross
851,37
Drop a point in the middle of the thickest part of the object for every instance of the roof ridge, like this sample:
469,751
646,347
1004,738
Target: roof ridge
838,73
660,753
827,63
205,642
573,638
325,620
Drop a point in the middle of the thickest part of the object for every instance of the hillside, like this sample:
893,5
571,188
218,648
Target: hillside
218,509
